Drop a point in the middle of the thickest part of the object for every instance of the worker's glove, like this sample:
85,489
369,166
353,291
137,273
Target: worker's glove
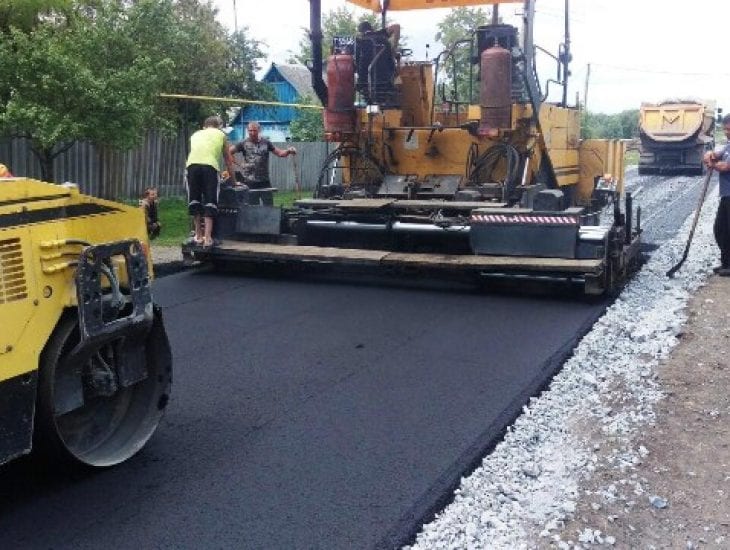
292,151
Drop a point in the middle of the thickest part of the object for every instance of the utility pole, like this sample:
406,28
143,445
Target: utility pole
566,57
585,91
235,17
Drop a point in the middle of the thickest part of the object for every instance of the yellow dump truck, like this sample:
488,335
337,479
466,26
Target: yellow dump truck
674,136
85,364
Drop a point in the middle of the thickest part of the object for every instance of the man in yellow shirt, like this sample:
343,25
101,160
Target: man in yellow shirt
206,148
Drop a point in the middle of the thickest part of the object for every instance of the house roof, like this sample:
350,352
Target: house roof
297,75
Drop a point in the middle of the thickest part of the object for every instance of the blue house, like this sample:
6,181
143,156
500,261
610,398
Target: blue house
291,84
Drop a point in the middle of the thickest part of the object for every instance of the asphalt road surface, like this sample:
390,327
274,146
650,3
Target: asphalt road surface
666,201
310,414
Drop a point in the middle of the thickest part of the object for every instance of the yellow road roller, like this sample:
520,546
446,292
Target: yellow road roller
85,363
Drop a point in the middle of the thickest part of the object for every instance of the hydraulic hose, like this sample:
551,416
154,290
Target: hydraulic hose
334,156
481,167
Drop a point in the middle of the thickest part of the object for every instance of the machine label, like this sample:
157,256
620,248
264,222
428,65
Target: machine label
412,143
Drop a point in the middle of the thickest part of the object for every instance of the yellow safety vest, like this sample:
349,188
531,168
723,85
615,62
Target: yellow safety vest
206,147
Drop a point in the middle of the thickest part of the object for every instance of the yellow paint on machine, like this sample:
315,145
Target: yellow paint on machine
36,280
405,140
375,5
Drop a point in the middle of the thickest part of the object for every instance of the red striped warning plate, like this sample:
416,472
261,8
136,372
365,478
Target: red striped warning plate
502,218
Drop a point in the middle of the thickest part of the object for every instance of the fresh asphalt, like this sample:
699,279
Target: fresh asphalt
307,414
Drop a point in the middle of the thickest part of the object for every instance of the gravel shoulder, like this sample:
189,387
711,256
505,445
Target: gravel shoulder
628,447
677,494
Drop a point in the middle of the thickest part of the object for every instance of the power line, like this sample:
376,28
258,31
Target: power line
655,71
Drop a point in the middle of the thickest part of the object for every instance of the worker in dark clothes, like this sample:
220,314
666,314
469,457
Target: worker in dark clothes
379,66
255,150
149,204
719,159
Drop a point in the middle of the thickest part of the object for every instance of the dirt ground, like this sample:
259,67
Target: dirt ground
685,454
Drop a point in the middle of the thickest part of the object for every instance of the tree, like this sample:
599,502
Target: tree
241,66
629,123
26,14
187,33
309,124
337,22
624,125
86,81
95,72
458,25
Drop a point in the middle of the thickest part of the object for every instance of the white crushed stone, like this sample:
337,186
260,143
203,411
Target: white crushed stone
606,391
165,254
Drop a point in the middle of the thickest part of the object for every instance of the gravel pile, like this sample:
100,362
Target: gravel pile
528,486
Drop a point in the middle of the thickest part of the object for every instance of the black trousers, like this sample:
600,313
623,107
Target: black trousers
202,190
722,230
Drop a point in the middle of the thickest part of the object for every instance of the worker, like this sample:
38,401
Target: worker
5,172
382,68
719,159
255,150
203,164
391,33
149,205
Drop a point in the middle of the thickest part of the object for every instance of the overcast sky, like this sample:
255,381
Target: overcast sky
639,50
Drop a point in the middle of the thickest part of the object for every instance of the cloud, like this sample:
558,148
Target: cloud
638,50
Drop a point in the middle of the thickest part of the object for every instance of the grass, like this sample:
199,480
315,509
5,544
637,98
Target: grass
631,158
176,222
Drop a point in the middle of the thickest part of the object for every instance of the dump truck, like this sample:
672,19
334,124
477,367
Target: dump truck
85,363
674,135
489,180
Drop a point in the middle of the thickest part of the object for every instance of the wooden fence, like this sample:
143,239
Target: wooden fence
158,162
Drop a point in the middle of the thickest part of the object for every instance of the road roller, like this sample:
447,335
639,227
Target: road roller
85,363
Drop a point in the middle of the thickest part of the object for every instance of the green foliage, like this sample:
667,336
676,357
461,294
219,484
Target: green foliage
26,14
239,79
623,125
337,22
93,69
309,124
207,60
86,80
458,25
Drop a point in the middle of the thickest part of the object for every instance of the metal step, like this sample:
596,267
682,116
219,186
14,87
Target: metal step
264,252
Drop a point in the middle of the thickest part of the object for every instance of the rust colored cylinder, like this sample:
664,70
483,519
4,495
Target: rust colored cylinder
495,90
339,116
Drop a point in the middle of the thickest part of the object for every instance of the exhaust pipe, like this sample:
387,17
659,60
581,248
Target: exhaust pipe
315,36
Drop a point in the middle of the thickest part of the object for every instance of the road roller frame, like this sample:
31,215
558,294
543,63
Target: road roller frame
85,364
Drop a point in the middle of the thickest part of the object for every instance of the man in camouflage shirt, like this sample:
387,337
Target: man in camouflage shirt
255,151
